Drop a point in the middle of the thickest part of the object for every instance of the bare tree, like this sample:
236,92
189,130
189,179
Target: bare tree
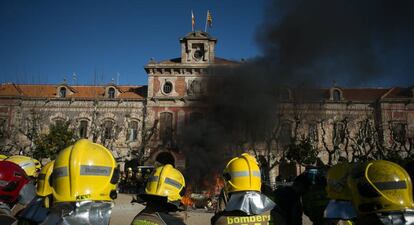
147,136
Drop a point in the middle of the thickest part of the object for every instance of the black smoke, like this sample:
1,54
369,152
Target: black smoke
355,42
305,45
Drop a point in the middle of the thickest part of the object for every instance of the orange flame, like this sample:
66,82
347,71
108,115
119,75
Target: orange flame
186,200
211,189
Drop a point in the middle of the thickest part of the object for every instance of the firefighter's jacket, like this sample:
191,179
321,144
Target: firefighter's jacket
241,218
152,216
248,208
314,203
34,213
6,217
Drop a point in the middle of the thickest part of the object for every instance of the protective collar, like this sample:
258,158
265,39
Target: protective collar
340,210
80,213
5,209
397,218
27,194
250,202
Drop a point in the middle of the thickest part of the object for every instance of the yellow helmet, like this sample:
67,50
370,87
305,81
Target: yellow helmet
166,181
3,157
26,163
84,171
337,186
242,174
38,165
380,186
43,187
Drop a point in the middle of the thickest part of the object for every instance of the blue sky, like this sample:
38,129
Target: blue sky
44,41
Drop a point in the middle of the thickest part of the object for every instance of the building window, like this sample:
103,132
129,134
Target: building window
108,129
313,132
132,134
285,134
166,127
167,88
111,92
59,122
194,88
398,132
195,117
62,92
284,94
339,133
3,127
336,95
83,129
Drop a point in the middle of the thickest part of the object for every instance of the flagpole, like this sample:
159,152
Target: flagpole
205,28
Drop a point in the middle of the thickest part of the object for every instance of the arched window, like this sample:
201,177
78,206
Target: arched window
195,117
285,133
111,92
399,132
83,129
167,88
132,134
3,127
336,95
108,129
338,133
59,122
62,92
194,88
313,132
166,127
284,94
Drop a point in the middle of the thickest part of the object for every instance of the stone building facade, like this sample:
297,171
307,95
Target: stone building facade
174,87
111,114
127,118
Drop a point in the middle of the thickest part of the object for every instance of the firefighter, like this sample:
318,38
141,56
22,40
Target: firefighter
140,182
83,185
314,199
16,191
339,210
130,180
381,193
163,193
29,165
122,183
288,199
38,209
246,204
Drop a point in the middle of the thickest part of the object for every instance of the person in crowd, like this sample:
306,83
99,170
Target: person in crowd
83,182
339,210
16,191
246,204
314,199
29,165
163,193
38,209
381,193
288,199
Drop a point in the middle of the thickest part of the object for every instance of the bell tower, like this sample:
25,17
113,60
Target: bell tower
197,48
